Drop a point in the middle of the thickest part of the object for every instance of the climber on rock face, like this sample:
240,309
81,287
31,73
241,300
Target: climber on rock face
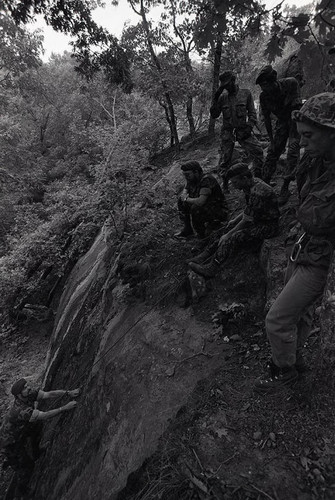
288,322
202,205
258,221
21,427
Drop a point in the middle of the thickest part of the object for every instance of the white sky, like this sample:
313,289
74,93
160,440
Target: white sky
111,18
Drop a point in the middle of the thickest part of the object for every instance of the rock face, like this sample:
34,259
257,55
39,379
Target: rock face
135,365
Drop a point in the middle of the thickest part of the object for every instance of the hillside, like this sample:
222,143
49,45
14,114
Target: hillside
166,409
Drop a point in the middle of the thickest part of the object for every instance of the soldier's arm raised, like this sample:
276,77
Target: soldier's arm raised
38,415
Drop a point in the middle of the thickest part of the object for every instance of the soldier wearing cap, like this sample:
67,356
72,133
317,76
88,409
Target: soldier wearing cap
289,320
238,119
202,205
258,221
22,423
280,97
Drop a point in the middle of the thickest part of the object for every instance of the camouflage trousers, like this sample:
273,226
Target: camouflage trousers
284,131
288,322
252,237
204,220
250,145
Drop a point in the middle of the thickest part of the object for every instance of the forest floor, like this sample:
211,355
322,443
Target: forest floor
226,442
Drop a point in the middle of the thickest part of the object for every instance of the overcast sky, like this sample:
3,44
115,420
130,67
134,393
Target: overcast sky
113,19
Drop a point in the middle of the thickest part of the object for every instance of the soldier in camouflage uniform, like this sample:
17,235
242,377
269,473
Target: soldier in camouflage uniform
22,423
289,320
258,221
238,119
202,205
280,97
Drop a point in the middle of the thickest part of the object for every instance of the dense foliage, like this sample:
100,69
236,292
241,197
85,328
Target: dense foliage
76,134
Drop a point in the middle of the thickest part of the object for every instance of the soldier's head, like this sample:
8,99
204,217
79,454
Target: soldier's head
267,79
20,388
192,171
228,80
240,176
316,125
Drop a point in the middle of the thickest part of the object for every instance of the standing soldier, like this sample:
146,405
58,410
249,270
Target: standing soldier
238,119
289,320
280,97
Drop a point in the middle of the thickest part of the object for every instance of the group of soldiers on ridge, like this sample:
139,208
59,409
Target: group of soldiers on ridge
310,127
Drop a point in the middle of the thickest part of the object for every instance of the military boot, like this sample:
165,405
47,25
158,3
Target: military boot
284,194
279,378
202,257
186,231
206,270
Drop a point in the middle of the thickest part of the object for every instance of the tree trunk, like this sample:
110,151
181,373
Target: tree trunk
189,114
216,73
163,104
155,60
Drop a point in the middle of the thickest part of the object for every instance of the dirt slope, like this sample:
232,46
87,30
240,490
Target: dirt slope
167,409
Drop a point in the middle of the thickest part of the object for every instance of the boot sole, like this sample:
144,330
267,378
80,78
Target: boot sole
281,385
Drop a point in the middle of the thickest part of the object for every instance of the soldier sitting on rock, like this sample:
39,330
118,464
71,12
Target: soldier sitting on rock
22,424
202,205
258,221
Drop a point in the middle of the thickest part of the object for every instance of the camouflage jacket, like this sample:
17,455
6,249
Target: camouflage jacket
281,104
316,212
262,204
238,109
16,421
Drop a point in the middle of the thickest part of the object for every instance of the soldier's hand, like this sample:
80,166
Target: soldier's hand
183,196
74,393
70,405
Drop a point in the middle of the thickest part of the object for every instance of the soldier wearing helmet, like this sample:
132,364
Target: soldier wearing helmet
238,119
280,97
288,321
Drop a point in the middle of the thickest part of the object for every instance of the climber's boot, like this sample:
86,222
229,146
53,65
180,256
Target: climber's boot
206,270
277,379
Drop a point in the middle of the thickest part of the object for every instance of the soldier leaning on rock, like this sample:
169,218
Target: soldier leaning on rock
280,97
289,320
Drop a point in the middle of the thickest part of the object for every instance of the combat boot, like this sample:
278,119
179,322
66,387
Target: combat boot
279,378
284,194
185,232
202,257
206,270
